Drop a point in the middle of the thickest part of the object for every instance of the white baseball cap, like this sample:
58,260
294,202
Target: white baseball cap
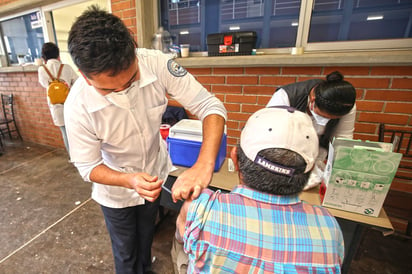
280,127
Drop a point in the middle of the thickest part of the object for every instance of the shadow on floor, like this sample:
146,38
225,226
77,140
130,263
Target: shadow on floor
49,224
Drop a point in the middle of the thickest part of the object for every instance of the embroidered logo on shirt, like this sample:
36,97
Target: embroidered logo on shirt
175,69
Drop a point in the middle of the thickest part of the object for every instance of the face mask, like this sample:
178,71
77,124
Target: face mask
320,120
121,98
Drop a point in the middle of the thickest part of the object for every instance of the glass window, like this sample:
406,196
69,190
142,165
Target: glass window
355,20
189,22
23,38
278,23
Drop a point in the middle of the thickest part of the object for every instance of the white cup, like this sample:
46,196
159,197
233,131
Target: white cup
184,50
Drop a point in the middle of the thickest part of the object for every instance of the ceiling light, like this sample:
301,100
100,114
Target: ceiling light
234,28
374,17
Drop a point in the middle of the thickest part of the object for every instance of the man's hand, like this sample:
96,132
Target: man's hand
147,186
190,183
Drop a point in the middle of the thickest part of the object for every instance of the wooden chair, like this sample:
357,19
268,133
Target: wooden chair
8,121
398,202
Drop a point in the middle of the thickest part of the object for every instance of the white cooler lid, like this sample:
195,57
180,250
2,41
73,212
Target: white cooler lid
187,129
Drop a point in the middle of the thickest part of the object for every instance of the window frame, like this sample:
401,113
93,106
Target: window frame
305,17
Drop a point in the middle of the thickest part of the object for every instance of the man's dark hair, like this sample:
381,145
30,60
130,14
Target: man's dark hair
335,95
256,177
49,51
100,42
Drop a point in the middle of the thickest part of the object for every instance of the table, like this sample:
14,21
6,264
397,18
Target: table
352,224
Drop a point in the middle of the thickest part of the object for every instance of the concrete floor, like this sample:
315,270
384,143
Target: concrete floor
49,224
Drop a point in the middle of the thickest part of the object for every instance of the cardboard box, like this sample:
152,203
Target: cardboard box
185,140
358,175
231,43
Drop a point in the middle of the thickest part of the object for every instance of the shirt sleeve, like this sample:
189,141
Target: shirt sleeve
346,125
85,146
279,98
184,88
197,215
43,80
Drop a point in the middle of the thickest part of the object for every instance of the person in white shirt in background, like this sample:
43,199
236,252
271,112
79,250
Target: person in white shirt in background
51,56
114,130
331,105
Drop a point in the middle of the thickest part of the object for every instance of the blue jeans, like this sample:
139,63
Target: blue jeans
131,231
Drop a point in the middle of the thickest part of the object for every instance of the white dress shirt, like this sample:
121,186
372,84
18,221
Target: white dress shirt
68,75
127,138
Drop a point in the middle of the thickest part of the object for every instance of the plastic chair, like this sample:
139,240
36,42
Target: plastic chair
8,121
398,202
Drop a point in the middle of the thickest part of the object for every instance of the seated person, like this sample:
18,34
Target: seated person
262,226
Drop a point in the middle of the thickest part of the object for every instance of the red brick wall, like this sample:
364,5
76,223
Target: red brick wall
126,10
32,113
384,95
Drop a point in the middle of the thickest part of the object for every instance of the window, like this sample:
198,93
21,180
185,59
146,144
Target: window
314,24
348,20
23,37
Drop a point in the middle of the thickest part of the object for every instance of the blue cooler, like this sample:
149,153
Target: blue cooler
184,141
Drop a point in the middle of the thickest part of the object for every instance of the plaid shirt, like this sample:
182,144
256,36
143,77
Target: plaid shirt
247,231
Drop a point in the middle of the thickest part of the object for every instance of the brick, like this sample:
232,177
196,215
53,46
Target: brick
405,70
268,90
232,107
226,88
388,95
347,70
399,107
228,71
211,79
369,82
263,71
276,80
366,128
249,99
200,71
383,118
233,133
250,108
244,80
302,70
129,13
118,6
232,124
238,116
402,83
263,100
369,106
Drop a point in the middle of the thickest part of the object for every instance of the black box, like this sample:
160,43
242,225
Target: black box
231,43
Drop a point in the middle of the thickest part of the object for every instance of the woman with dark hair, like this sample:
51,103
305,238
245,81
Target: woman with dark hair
330,103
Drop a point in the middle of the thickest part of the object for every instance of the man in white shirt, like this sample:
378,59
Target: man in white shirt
51,56
113,130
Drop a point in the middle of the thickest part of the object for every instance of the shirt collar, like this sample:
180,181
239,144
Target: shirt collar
266,197
146,75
